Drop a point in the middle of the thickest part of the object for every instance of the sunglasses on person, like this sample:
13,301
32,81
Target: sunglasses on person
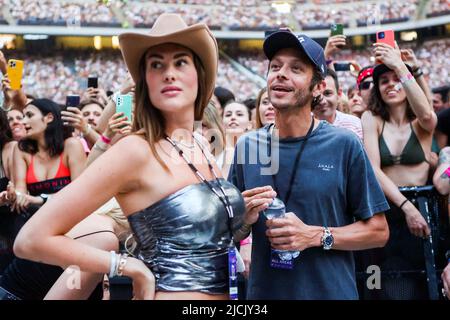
365,85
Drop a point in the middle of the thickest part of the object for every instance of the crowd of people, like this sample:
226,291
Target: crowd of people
432,55
51,12
71,69
302,177
259,15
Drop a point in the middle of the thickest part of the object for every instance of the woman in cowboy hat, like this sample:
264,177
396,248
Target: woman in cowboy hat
181,215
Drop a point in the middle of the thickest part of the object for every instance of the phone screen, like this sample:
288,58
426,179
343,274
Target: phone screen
341,66
92,82
124,103
73,101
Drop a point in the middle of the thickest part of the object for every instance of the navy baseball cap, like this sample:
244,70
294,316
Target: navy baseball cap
286,39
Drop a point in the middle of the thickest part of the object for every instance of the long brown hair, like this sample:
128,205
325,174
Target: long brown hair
380,108
258,121
148,120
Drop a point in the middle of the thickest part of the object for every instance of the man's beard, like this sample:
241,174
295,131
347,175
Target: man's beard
301,99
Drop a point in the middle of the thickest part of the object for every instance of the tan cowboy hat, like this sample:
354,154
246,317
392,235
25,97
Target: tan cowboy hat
170,28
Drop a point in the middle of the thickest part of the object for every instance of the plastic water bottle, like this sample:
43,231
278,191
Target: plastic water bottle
277,209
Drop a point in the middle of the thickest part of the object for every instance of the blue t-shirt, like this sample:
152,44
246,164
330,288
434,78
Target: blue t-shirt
334,186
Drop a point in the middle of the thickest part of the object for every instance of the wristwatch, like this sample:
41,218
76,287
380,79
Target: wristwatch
44,197
327,239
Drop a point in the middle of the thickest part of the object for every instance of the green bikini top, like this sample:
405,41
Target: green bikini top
412,152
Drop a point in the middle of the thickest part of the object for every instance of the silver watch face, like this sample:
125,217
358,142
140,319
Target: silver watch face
328,242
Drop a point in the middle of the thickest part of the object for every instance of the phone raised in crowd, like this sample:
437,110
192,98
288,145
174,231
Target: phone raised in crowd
341,66
15,73
337,29
72,101
387,37
92,82
124,103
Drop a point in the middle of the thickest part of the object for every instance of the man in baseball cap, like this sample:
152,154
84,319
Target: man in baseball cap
322,175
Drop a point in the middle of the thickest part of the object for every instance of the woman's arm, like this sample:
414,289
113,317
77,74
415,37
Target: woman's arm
76,157
440,179
417,99
87,280
410,58
116,125
20,170
416,222
8,164
104,179
110,109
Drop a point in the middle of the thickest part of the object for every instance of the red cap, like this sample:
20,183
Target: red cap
366,73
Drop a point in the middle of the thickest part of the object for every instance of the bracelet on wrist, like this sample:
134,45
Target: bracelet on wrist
246,241
100,146
105,139
403,203
418,73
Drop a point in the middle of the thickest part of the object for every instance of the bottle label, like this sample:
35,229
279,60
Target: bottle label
277,262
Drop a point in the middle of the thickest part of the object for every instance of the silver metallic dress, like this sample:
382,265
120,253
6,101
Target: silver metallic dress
184,237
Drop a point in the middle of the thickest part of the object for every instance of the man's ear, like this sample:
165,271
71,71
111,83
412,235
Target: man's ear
340,92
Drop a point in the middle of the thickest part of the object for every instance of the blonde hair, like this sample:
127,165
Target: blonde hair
149,121
213,121
112,209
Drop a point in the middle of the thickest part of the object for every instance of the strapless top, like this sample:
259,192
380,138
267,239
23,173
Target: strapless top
184,238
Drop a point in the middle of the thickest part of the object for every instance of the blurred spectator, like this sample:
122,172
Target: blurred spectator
440,98
223,96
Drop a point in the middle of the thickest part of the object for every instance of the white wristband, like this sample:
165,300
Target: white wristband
112,267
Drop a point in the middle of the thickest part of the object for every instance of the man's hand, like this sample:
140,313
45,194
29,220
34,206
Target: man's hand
257,200
74,118
291,233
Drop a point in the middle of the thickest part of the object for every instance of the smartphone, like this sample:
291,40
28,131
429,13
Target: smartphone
15,73
92,82
337,29
72,101
341,66
387,37
124,103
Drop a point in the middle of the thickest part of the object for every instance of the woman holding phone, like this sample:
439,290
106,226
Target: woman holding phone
46,160
159,175
398,131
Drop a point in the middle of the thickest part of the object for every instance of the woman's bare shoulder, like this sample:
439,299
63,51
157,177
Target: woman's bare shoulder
9,146
134,147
